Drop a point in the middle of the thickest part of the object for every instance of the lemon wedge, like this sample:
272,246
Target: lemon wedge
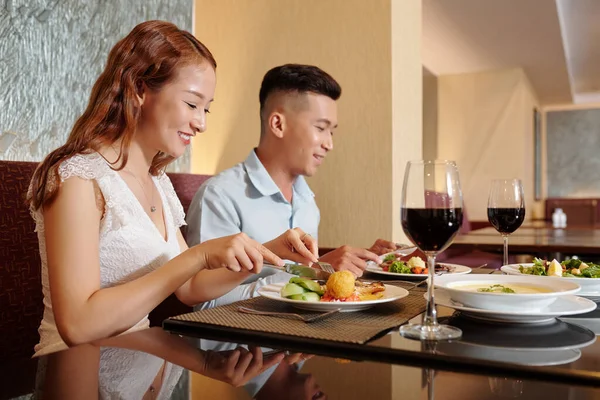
555,269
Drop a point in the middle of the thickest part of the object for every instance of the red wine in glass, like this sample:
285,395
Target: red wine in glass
431,215
506,220
432,229
506,208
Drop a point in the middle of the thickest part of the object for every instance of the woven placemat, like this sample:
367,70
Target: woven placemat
350,327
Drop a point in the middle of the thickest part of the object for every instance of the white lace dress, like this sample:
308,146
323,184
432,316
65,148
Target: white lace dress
130,247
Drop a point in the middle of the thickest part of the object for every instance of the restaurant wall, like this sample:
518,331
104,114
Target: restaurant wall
379,69
572,136
485,124
51,53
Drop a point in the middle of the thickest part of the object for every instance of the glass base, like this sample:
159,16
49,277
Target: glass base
430,332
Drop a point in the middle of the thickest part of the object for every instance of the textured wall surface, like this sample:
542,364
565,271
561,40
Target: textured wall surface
573,146
51,53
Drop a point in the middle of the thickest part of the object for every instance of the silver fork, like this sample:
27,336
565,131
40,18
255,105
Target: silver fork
326,267
248,310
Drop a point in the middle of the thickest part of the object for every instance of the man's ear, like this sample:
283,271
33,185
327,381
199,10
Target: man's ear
276,124
140,89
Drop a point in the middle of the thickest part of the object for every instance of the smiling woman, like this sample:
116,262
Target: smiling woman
178,110
106,215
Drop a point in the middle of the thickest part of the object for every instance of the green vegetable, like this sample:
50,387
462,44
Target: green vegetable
538,262
539,268
389,257
308,296
534,270
303,289
399,267
307,284
592,272
572,263
291,289
496,289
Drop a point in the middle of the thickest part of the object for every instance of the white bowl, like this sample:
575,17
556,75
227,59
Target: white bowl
590,287
455,286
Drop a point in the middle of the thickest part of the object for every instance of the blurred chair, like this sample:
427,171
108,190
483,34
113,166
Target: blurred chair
21,307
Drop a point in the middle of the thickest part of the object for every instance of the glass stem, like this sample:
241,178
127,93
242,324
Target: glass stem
505,258
430,384
430,316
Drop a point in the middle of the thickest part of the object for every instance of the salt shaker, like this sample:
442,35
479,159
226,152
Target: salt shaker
557,218
563,219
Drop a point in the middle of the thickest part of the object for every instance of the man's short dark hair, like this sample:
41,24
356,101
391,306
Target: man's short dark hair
297,78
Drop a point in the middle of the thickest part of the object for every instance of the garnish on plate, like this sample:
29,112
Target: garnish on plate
341,286
496,289
573,268
397,263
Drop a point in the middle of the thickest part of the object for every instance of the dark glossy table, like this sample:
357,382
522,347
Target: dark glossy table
533,240
559,360
83,372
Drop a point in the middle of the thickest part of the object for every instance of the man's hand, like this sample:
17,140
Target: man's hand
416,253
382,246
350,258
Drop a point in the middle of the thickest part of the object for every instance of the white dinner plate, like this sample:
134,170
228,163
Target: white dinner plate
273,292
466,291
455,270
564,305
590,287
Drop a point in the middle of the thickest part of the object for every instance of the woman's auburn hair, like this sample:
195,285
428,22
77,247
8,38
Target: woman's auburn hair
150,55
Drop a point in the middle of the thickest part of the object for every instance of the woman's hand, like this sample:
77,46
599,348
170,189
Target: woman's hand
237,253
237,367
296,245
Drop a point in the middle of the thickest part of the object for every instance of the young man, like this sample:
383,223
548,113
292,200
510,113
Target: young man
267,194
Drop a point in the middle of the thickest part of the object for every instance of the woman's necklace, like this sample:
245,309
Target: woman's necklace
150,201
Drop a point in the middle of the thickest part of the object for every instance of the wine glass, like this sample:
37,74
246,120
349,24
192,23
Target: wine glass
431,214
506,208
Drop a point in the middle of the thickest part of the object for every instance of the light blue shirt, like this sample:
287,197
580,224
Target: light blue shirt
245,199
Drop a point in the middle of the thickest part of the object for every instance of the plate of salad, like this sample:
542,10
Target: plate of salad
412,267
586,274
341,291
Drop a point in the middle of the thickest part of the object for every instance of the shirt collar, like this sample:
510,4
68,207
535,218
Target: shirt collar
302,188
262,181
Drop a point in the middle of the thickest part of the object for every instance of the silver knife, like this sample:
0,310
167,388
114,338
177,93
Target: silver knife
302,270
